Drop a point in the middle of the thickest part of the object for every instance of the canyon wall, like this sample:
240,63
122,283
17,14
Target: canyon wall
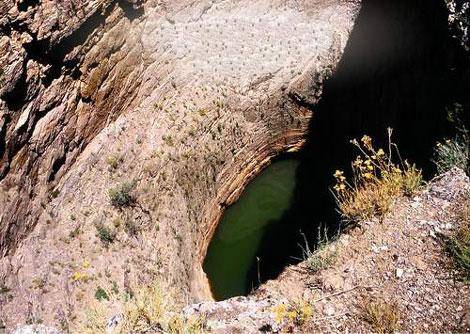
181,101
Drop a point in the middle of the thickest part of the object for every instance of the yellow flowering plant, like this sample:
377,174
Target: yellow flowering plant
376,181
296,312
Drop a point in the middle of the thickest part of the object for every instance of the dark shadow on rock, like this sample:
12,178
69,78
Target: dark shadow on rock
400,69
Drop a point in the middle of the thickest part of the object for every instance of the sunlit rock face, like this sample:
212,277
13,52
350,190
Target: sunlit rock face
185,100
459,13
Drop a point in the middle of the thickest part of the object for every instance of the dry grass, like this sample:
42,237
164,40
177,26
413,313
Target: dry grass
460,242
94,320
145,311
376,183
148,311
322,258
454,152
382,316
293,313
122,194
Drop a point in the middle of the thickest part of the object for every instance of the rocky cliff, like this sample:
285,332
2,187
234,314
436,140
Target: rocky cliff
126,127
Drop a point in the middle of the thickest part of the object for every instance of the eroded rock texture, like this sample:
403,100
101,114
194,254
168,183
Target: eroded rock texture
185,100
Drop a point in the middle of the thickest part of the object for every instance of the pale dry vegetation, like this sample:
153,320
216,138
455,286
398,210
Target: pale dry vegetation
148,310
294,313
454,152
382,316
459,245
376,182
121,195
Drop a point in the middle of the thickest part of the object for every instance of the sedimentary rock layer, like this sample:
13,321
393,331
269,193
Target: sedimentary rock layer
185,100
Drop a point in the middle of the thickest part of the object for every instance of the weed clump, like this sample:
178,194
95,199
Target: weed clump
113,161
100,294
146,311
323,256
376,182
382,316
454,152
131,227
293,313
104,233
460,243
121,195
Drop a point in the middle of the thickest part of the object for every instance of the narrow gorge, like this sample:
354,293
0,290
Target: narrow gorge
132,131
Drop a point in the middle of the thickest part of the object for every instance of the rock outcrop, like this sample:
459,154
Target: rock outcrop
183,101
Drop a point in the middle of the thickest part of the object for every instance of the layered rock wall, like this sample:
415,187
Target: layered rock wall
184,100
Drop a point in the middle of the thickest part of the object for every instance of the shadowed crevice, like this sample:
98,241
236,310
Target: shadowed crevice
400,68
23,6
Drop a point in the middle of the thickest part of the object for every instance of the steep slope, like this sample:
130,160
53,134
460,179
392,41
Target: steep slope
181,102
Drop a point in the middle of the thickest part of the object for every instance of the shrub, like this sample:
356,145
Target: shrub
460,242
4,289
454,152
94,320
75,232
293,313
149,309
131,227
146,311
55,193
113,161
168,140
382,316
121,195
105,234
376,182
100,294
322,256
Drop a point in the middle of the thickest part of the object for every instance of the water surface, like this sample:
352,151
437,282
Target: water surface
233,262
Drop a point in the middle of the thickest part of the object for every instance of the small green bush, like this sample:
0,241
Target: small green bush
131,227
454,152
100,294
55,193
460,243
322,256
121,195
106,235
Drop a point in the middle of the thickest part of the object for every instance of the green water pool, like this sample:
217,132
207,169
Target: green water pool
233,251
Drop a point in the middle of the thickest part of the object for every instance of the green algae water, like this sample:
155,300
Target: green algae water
233,262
